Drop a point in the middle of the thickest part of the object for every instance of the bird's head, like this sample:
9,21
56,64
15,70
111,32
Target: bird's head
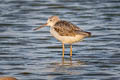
50,22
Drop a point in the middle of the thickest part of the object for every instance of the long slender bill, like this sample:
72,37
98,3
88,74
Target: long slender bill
40,26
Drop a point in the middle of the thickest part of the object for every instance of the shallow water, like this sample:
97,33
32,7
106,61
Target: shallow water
36,55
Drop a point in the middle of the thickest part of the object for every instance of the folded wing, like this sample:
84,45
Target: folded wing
65,28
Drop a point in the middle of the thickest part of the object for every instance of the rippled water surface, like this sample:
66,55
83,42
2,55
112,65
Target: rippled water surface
36,55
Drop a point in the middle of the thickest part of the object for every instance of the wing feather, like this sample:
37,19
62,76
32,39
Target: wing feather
65,28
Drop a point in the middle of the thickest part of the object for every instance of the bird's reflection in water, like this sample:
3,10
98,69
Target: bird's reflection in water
67,66
67,63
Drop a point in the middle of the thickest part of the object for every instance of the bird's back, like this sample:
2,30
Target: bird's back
67,25
65,28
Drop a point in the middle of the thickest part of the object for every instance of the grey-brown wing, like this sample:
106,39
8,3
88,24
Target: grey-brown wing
65,28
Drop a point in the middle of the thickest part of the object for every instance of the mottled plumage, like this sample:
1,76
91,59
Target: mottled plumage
65,28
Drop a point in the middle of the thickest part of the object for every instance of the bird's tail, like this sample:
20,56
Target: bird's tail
88,34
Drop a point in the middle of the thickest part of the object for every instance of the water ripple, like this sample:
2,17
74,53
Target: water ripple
36,55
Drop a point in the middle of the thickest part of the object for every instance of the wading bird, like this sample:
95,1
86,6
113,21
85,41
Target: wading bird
65,32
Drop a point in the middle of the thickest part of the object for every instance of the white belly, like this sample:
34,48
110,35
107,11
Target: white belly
66,39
